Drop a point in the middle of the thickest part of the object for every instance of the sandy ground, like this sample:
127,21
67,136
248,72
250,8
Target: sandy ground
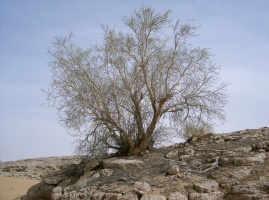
11,188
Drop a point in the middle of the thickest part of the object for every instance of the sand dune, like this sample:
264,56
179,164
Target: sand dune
11,188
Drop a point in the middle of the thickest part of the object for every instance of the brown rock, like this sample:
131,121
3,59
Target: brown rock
91,165
174,170
40,191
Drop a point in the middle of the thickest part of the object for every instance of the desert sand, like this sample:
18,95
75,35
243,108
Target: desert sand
11,188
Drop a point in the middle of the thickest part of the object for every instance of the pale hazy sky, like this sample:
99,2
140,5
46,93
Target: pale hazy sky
237,32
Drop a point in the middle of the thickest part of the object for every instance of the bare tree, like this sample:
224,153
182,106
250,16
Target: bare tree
123,93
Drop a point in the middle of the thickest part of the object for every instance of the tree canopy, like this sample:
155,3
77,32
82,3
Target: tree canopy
136,86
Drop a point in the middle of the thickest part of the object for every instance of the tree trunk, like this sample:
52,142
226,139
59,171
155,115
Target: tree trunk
138,150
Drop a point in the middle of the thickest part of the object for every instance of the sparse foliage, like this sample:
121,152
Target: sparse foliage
123,93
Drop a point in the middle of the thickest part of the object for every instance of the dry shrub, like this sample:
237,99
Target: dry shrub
68,171
190,131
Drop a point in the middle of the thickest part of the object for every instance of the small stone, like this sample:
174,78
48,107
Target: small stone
189,152
174,170
96,175
172,154
106,172
98,196
196,163
142,188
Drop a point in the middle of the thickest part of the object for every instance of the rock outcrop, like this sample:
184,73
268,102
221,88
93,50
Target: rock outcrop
214,167
36,168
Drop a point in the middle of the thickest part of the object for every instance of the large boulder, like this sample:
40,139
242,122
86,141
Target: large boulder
91,165
40,191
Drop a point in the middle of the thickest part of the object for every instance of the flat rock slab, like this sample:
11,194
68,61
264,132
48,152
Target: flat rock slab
206,196
115,163
247,196
152,197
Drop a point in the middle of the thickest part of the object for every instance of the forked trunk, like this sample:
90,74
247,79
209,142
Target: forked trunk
138,149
